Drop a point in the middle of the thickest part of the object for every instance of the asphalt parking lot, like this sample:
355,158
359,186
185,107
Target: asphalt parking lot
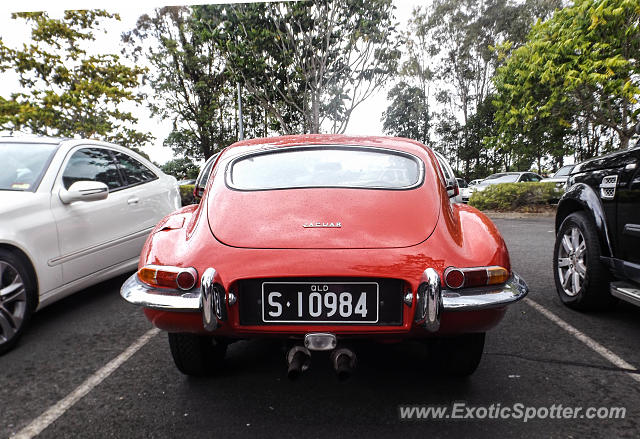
59,381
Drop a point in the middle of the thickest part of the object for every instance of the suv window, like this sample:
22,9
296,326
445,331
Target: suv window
93,164
133,171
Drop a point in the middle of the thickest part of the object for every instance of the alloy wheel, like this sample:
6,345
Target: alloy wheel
13,301
572,267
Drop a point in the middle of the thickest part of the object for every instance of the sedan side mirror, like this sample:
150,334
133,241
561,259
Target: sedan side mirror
84,191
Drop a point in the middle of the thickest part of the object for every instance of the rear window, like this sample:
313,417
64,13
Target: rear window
326,167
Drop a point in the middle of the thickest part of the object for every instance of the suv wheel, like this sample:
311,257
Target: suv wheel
582,282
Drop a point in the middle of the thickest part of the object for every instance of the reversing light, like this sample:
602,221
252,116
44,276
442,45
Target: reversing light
456,278
167,276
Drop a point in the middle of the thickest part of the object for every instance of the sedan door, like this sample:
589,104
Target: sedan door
93,235
150,198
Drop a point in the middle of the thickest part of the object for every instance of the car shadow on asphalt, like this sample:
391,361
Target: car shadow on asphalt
92,304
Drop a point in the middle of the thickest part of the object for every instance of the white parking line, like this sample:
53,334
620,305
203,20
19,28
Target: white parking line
54,412
591,343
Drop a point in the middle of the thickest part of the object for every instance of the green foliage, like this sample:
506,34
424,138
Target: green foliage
580,67
188,75
186,194
450,55
181,168
308,64
408,113
65,90
514,196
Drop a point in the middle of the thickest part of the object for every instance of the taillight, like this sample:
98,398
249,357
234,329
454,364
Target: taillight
168,277
456,278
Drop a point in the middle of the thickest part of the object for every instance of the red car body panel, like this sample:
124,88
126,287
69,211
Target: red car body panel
385,234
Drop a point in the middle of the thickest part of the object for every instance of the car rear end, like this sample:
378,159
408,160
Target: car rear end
321,244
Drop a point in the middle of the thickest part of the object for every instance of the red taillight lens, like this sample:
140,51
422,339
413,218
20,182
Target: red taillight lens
168,277
456,278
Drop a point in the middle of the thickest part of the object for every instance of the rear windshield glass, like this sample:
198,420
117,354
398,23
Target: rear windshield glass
326,167
23,164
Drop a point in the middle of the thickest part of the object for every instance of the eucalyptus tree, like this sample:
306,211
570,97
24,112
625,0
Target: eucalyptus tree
454,41
309,64
192,86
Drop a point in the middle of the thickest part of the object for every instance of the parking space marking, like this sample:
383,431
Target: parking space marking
591,343
54,412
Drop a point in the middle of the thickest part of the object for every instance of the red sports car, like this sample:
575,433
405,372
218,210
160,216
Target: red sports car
320,240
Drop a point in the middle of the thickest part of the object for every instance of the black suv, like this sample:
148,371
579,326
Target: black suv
596,257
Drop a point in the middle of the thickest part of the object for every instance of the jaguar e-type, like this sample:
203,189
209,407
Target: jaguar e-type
322,240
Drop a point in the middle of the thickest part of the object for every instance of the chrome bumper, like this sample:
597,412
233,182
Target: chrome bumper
485,297
134,291
138,293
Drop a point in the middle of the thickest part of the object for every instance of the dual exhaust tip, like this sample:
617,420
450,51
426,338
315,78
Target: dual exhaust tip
343,360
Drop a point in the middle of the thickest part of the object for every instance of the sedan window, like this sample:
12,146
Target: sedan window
92,164
326,167
134,171
23,165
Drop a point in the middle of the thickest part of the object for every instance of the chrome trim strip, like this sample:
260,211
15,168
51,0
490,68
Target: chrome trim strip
625,292
87,251
138,293
494,296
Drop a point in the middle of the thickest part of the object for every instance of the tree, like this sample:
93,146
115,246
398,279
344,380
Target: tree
65,91
189,79
458,37
320,60
181,168
407,114
581,66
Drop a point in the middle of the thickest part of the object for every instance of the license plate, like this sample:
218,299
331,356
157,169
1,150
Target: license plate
320,302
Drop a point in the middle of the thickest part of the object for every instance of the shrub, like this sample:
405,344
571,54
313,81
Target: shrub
515,196
186,194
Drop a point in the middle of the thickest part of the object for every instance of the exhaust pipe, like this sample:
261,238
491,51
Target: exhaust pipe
344,361
299,360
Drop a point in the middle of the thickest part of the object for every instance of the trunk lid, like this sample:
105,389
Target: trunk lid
331,218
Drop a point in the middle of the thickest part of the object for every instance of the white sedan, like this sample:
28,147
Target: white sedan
72,213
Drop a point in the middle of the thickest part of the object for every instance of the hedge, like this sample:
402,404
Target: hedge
516,196
186,194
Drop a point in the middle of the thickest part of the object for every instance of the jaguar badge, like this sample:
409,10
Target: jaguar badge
322,225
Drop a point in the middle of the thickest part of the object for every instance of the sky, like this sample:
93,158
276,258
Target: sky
364,120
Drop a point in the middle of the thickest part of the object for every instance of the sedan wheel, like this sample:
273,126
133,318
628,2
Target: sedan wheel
15,299
582,282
